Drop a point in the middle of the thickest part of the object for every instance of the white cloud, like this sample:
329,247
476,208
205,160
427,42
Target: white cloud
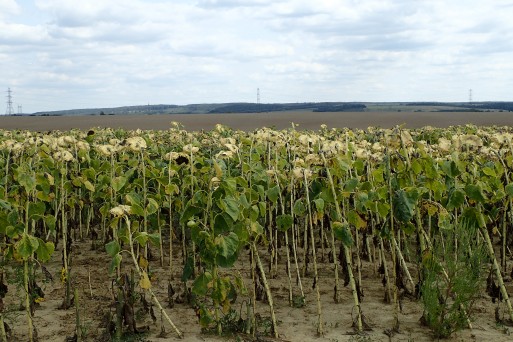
60,54
8,7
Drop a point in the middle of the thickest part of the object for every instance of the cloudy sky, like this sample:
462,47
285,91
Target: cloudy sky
62,54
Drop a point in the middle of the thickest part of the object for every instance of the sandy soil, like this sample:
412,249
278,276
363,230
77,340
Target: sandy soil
248,122
294,324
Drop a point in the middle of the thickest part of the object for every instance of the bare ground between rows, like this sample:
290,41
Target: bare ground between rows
90,276
249,122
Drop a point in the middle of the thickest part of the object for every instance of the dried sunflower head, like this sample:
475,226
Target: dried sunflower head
121,210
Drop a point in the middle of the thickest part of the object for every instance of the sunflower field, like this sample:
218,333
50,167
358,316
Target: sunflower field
219,216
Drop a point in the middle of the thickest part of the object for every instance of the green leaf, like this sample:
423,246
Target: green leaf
188,269
416,166
77,181
221,290
359,166
242,232
8,253
26,246
430,170
113,248
404,204
89,173
444,220
350,185
262,206
89,186
118,183
383,209
239,284
229,184
27,181
256,228
497,196
231,207
13,231
377,174
221,225
342,164
489,171
3,223
205,317
366,186
243,200
361,201
227,245
103,180
36,210
356,220
50,221
299,208
154,239
43,182
133,199
273,193
475,193
189,212
116,261
342,233
456,199
43,196
450,168
152,206
104,210
202,284
509,189
431,209
141,238
327,195
284,222
13,217
5,205
172,189
226,262
45,250
136,209
408,228
319,205
254,212
114,222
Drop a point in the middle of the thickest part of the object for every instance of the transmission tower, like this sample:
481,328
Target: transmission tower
20,109
258,95
470,96
9,110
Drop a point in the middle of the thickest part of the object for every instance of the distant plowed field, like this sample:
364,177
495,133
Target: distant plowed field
248,122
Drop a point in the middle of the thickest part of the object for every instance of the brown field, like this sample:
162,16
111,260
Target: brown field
294,324
248,122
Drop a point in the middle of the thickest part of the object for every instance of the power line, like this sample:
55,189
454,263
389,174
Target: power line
9,110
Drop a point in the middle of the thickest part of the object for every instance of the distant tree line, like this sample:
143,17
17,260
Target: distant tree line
506,106
277,107
468,107
345,107
247,108
146,109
